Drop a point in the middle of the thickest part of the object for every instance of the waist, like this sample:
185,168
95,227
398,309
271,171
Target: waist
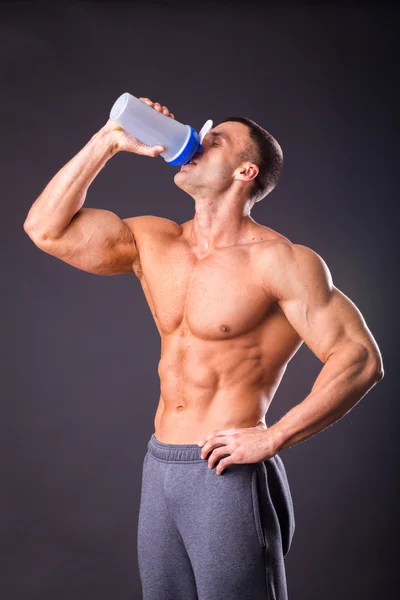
187,423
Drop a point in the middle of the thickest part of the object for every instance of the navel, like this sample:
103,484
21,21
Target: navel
224,328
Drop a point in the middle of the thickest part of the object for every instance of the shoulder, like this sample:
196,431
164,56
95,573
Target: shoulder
299,257
293,269
149,224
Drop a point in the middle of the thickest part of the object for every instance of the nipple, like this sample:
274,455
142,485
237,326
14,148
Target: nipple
224,328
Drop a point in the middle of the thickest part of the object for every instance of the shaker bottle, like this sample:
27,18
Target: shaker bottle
151,127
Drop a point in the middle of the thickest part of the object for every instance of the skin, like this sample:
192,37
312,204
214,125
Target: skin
233,301
220,243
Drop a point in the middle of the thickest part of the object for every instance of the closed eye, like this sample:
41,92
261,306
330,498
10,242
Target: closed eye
214,144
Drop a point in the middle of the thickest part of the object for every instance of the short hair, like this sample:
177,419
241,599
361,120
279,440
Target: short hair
264,151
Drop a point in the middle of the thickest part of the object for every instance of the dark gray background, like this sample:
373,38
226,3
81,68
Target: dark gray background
80,352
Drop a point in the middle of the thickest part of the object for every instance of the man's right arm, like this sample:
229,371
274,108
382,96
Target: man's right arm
94,240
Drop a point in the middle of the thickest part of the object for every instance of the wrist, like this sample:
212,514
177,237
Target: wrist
276,438
106,138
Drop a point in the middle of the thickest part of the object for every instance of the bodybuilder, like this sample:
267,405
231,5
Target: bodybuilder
233,300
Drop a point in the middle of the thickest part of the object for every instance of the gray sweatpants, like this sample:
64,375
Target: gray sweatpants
203,536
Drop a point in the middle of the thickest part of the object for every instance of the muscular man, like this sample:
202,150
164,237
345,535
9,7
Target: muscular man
233,300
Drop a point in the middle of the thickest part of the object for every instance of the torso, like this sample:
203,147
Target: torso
225,342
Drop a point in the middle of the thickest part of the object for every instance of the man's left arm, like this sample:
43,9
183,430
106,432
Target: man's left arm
336,332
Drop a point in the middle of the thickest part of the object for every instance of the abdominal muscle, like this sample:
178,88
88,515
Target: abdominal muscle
225,340
211,385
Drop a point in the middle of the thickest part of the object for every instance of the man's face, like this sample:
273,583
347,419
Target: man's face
212,173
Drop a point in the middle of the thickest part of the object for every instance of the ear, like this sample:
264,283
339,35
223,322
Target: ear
247,171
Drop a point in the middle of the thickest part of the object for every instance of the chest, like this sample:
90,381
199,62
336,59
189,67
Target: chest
218,297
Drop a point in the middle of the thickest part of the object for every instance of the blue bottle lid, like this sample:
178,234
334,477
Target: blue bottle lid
193,145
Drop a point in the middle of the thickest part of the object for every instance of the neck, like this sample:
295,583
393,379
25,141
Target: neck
219,223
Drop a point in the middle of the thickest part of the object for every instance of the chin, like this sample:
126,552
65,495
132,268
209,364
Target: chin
176,180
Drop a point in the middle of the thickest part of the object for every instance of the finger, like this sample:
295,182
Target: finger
223,464
214,434
156,150
216,454
149,150
207,438
213,437
211,445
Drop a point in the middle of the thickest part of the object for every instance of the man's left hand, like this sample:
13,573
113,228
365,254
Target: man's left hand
244,445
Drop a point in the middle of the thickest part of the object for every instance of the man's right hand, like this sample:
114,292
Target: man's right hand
123,141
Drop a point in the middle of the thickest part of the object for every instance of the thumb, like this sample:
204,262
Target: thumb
156,150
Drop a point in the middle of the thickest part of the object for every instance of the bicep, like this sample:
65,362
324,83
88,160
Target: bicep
324,317
96,241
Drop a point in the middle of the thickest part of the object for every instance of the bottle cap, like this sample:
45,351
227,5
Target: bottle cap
192,146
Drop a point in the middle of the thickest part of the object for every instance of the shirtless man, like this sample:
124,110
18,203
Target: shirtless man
233,301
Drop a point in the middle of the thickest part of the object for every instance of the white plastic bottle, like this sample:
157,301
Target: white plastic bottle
151,127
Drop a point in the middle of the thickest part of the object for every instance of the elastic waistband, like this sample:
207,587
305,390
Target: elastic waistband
174,452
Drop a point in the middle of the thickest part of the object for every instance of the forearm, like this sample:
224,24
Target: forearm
345,378
65,194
